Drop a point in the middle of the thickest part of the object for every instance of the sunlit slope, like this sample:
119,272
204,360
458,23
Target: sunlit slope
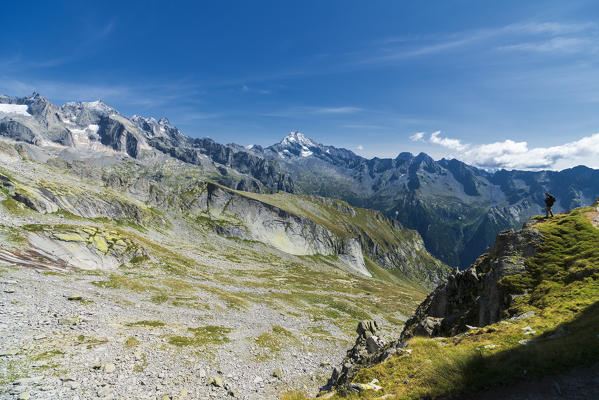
384,241
559,291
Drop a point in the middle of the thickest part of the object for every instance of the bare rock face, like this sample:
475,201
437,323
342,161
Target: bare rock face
114,134
18,131
246,218
473,297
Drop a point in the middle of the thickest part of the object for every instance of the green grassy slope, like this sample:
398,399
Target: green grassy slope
561,286
348,221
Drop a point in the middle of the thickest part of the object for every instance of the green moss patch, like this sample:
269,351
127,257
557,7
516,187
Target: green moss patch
131,342
274,341
201,337
152,324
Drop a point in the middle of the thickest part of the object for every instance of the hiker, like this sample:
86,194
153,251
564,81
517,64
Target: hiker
549,200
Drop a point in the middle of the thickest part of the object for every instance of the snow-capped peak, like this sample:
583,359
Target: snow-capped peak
98,106
298,138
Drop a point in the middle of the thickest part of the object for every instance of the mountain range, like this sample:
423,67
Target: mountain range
458,209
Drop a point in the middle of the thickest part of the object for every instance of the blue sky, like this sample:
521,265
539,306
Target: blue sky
378,77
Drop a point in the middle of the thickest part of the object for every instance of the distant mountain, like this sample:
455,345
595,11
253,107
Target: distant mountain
97,127
457,208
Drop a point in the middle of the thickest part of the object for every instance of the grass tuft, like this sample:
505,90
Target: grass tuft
202,336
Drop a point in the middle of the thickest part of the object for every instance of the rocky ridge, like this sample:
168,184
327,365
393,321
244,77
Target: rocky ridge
469,299
97,127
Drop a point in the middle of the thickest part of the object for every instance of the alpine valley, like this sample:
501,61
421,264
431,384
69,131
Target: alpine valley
457,209
139,262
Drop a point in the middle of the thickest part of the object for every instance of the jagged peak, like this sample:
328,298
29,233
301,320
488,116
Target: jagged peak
36,98
404,156
37,95
298,138
138,118
423,156
97,106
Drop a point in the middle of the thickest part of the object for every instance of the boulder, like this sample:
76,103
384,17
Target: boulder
216,381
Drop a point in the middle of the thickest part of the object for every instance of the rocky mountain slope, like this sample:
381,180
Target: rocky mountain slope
525,311
141,277
96,127
456,208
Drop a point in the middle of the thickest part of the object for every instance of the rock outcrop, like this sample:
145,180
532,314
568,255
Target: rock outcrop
73,247
87,248
474,297
368,349
470,298
45,198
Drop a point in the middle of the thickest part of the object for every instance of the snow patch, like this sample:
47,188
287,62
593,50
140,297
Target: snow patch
87,138
99,106
19,109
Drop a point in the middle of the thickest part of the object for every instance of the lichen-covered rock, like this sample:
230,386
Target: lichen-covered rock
83,247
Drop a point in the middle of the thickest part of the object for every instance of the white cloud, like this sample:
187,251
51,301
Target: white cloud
545,37
336,110
246,88
360,147
297,112
453,144
510,154
417,137
555,28
555,45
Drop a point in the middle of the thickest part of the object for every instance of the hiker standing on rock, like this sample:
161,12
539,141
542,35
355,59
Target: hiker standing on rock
549,200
